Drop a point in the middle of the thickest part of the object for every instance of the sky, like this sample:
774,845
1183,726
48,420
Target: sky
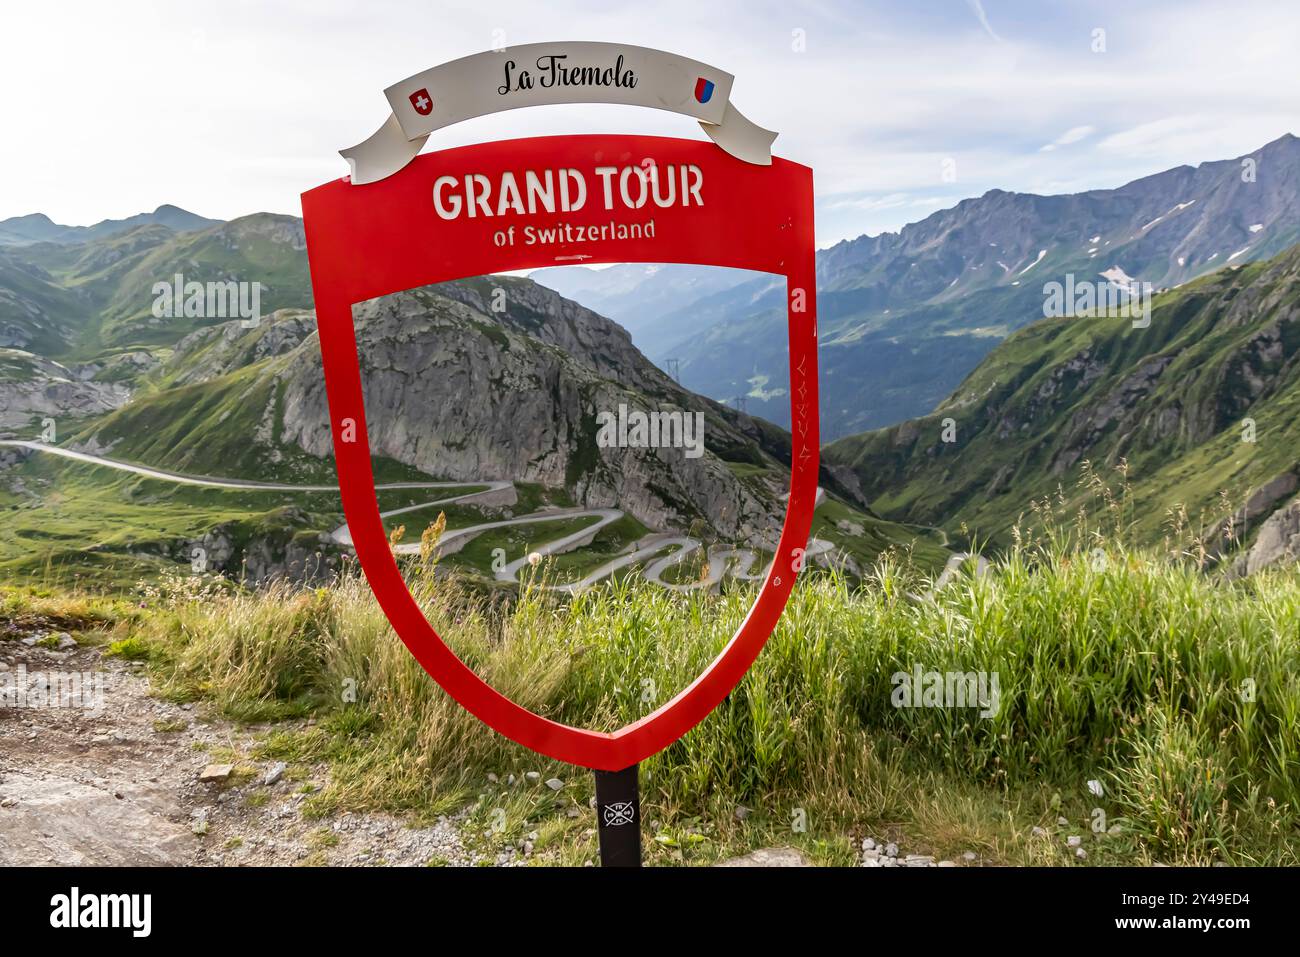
901,107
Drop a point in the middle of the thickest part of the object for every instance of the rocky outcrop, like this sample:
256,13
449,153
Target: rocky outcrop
33,388
284,549
1117,409
463,391
217,350
1278,541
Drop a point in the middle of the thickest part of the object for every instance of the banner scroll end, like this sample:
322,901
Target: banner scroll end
383,153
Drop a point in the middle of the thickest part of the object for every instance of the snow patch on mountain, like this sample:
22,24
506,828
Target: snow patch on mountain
1118,276
1041,254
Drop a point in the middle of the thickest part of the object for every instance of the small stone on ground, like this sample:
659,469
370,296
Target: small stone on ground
769,857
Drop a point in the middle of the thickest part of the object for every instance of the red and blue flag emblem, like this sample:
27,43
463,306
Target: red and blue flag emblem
703,90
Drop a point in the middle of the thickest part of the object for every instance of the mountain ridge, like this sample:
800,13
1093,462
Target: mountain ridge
38,227
964,277
1200,405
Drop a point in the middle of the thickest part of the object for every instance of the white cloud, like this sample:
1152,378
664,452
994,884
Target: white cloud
1073,135
229,107
1193,139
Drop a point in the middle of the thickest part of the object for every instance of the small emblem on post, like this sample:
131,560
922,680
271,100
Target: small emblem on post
616,815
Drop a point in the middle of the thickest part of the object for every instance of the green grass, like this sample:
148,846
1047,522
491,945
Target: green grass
610,541
1176,692
516,541
926,546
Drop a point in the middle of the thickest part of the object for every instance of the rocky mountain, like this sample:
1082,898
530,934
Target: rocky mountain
38,228
35,388
905,316
1164,229
251,402
1201,407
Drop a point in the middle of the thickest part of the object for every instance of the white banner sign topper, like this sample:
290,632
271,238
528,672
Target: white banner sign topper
544,73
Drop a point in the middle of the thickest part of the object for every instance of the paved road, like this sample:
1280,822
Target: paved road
679,547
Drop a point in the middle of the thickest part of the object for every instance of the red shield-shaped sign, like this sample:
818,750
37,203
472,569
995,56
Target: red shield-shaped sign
422,102
373,240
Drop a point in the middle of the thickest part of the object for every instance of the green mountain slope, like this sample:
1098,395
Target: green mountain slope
37,313
1177,402
84,300
264,248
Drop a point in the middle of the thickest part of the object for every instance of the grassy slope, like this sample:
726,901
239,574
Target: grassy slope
112,529
1028,382
99,296
244,250
33,301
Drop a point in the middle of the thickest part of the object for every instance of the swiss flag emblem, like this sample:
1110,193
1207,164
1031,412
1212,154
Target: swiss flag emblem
422,101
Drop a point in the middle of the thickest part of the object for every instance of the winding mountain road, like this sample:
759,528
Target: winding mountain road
741,560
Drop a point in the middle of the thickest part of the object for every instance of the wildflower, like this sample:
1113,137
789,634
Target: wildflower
431,536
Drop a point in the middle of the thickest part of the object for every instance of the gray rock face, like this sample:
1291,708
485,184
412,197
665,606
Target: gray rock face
290,552
32,387
1090,425
1278,541
463,392
1235,528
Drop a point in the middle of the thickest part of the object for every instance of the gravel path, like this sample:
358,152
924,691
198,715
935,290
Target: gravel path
120,785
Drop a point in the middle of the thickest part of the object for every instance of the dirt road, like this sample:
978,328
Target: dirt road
117,781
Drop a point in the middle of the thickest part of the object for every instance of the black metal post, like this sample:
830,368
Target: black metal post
618,817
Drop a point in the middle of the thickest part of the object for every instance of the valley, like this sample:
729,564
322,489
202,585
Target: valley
1189,422
904,317
953,406
188,434
453,540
